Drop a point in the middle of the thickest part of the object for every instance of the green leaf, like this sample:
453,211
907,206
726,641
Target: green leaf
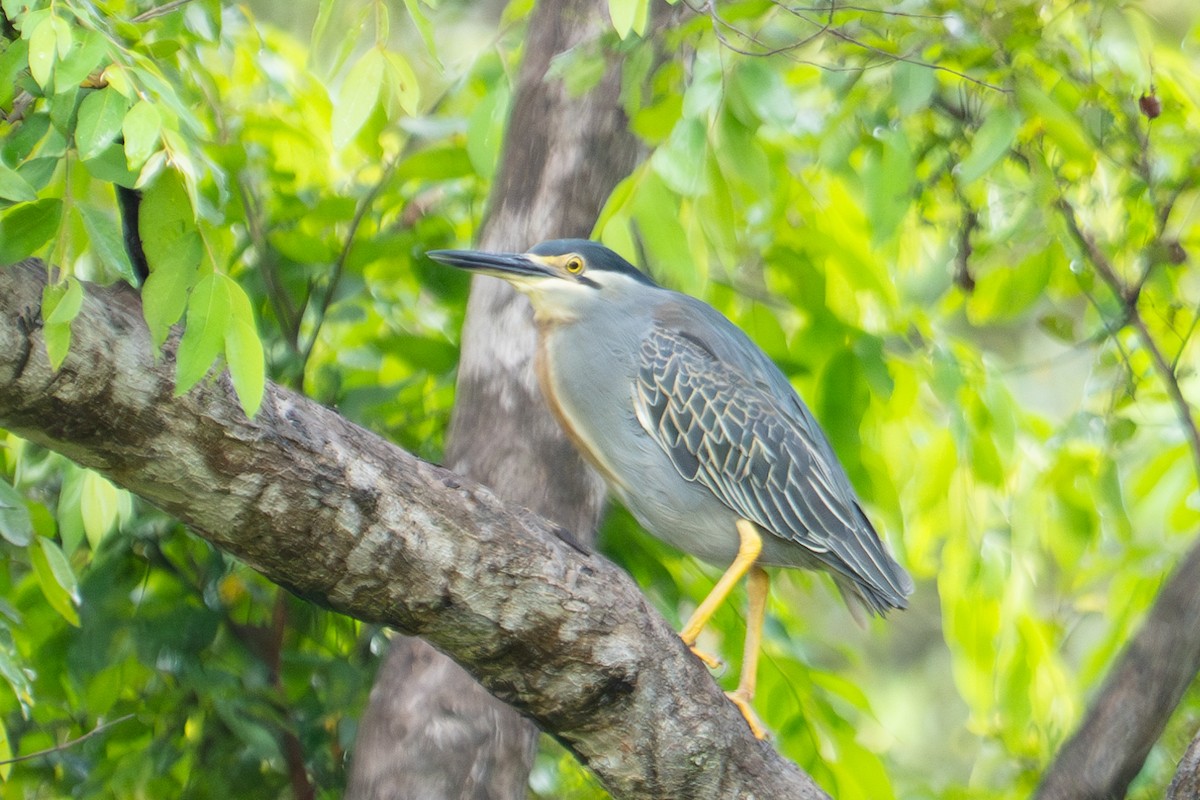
1062,125
99,502
111,166
628,16
912,86
140,129
676,161
106,241
6,753
84,58
16,527
25,228
56,578
100,117
423,25
358,96
13,61
207,321
243,351
67,514
888,177
992,142
60,305
42,46
164,297
485,130
173,249
14,187
402,84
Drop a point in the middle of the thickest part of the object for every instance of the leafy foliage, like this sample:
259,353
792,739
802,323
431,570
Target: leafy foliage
963,234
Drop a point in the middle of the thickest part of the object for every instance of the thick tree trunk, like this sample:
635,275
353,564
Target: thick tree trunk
345,519
431,732
1136,699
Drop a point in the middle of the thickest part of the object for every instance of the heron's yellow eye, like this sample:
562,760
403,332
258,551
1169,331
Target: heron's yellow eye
574,265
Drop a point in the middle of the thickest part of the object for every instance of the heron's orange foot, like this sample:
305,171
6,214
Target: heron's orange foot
710,661
743,703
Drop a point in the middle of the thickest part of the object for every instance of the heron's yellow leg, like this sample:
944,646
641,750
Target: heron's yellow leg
758,585
748,550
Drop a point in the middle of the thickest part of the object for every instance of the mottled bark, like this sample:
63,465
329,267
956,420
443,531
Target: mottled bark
1137,697
349,521
1186,783
430,732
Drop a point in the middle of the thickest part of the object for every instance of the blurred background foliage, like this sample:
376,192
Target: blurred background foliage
935,216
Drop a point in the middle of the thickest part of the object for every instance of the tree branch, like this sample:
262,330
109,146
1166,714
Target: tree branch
346,520
1133,705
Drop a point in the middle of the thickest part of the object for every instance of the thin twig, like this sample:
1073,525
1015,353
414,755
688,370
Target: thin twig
826,27
160,11
339,266
60,747
1105,269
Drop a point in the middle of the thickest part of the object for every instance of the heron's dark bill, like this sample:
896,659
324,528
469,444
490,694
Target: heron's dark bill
501,265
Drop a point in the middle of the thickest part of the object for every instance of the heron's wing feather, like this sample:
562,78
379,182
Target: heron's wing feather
762,456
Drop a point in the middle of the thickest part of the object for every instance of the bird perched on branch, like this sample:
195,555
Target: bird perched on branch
696,431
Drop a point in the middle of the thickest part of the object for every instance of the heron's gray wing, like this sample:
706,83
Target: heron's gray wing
763,460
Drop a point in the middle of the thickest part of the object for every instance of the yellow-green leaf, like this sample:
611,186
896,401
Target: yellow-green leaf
42,46
207,321
628,16
358,96
55,578
60,305
140,130
992,141
99,503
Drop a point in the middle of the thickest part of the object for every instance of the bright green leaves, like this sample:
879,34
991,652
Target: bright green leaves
100,506
100,117
992,142
1056,114
244,352
629,16
207,321
25,228
220,319
55,578
888,184
60,305
358,96
106,243
377,75
140,129
173,248
49,40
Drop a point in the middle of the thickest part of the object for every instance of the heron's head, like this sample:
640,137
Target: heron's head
562,277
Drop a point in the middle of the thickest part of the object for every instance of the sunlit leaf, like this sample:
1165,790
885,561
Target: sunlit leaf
358,96
26,227
61,303
992,142
140,129
204,334
56,578
98,503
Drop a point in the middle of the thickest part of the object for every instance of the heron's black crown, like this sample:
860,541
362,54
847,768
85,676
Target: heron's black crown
596,256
